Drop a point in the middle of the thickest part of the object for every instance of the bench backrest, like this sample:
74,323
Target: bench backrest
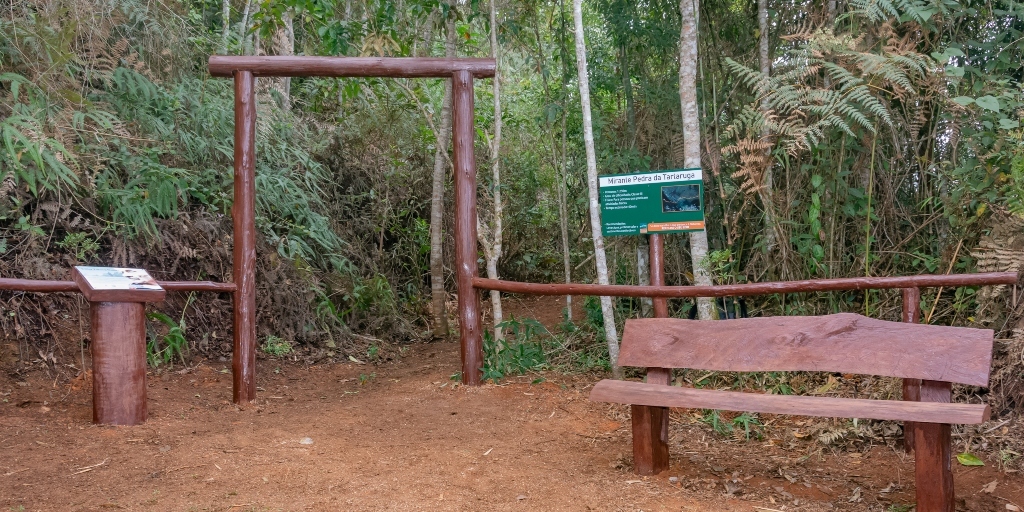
845,342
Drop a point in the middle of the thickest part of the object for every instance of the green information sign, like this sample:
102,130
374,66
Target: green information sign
652,202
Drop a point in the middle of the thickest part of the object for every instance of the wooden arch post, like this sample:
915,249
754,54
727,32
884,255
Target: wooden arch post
243,215
470,340
244,70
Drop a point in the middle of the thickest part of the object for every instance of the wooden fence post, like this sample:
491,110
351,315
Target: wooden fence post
243,213
118,362
911,387
650,424
470,330
933,475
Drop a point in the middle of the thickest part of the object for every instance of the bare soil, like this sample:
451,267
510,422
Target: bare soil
402,435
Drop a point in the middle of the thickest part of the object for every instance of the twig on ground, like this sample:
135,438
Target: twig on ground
89,468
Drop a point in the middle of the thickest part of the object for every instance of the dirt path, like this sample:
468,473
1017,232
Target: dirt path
401,436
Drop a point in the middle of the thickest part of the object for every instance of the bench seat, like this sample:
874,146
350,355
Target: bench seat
639,393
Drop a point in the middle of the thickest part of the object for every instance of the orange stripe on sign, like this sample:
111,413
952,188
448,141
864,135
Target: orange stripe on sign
674,226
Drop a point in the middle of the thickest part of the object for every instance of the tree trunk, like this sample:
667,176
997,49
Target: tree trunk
627,91
225,25
643,274
284,44
563,183
767,183
689,10
563,215
437,294
243,31
492,243
608,313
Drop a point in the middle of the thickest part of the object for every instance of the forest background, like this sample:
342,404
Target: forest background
839,139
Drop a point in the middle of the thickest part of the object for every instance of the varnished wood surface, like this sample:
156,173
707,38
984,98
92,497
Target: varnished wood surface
933,454
911,387
464,161
650,439
650,424
100,295
392,67
736,290
118,362
638,393
243,214
197,286
656,251
844,342
41,286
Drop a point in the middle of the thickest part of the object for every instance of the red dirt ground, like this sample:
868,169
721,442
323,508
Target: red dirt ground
403,436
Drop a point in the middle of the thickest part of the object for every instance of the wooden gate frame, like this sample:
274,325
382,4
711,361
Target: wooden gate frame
244,71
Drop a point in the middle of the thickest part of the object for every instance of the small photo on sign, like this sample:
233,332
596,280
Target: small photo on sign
680,198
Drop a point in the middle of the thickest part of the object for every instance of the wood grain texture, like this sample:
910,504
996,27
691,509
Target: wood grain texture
638,393
243,214
40,286
98,295
470,327
933,454
656,246
392,67
650,424
650,439
118,362
911,387
728,290
33,285
844,342
197,286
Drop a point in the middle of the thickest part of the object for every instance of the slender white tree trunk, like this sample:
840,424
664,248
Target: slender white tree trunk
595,208
643,273
689,9
768,183
243,31
563,218
490,235
284,44
437,295
225,24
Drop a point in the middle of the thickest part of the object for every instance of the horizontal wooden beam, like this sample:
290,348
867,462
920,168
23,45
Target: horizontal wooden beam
196,286
638,393
34,285
737,290
843,342
387,67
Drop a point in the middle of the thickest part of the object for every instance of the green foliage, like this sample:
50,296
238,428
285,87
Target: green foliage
746,425
365,297
29,156
968,459
521,351
164,349
82,245
276,346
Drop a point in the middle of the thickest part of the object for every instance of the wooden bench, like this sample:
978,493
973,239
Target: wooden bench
846,343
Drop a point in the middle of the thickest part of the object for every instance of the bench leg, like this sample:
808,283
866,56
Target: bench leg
911,392
650,439
932,455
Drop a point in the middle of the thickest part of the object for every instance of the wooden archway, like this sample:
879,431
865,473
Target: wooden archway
244,71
